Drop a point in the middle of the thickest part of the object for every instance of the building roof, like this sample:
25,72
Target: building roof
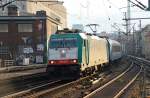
6,18
20,17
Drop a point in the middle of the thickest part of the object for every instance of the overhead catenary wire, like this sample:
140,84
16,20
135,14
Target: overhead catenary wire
140,3
106,11
87,7
112,18
11,1
87,19
112,4
139,6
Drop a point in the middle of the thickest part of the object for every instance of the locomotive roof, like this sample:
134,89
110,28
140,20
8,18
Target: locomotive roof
95,37
83,35
113,42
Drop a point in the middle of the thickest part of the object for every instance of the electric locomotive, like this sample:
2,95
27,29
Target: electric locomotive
75,54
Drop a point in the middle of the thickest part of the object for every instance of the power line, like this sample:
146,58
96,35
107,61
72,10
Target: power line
136,18
141,3
139,6
42,1
114,5
10,2
106,11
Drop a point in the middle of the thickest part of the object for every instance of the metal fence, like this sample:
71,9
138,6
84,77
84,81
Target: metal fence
0,62
6,63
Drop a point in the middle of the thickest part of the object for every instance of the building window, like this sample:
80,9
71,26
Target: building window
25,28
3,27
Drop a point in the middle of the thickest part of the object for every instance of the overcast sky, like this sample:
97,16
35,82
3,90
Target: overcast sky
102,12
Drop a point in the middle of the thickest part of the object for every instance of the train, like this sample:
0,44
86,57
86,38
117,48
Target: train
78,54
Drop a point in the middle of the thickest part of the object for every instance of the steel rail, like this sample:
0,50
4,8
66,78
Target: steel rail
61,88
24,93
127,86
105,85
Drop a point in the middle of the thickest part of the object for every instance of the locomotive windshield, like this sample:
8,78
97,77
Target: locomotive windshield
63,43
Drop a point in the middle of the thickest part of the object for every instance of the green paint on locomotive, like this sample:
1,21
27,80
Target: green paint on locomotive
92,50
79,43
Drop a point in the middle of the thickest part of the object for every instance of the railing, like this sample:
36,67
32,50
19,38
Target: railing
1,63
8,63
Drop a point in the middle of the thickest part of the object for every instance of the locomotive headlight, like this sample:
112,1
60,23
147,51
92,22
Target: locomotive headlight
74,61
52,62
63,51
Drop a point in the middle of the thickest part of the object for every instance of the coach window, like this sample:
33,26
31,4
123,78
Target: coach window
3,27
25,28
116,49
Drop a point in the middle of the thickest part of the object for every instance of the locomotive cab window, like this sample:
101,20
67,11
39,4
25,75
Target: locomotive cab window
56,43
70,42
63,43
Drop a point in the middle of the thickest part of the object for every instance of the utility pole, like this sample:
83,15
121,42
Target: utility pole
140,38
0,2
140,24
133,40
148,9
128,18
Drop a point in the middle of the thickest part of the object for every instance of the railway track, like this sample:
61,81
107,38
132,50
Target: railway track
26,93
57,88
116,87
22,83
145,77
50,88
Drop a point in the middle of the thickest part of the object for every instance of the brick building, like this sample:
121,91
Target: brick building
25,29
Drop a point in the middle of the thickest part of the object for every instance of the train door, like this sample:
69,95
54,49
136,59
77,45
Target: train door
87,51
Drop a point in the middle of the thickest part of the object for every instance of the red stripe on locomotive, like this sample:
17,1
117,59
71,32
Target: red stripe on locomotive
62,62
